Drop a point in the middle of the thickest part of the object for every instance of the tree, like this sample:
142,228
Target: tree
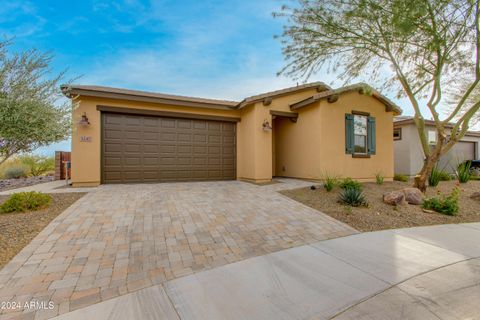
419,48
30,113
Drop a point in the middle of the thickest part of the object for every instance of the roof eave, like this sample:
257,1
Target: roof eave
72,93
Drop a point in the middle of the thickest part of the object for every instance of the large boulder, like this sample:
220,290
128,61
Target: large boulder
413,196
394,198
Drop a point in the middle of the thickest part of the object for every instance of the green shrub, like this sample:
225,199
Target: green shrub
24,201
349,183
353,197
400,177
444,204
15,172
379,178
444,176
434,177
463,172
38,165
329,182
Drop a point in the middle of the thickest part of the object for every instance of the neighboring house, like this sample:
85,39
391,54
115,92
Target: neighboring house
409,155
307,131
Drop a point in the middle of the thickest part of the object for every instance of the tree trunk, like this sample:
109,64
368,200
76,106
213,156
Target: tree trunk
421,178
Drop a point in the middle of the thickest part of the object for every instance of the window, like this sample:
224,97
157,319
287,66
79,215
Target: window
360,134
432,137
397,134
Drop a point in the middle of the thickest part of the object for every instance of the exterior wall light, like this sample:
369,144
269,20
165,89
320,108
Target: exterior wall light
266,126
84,120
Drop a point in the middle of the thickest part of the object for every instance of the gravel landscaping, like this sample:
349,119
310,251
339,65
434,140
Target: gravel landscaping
379,216
8,184
18,229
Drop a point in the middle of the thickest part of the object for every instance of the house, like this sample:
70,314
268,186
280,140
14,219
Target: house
129,136
409,155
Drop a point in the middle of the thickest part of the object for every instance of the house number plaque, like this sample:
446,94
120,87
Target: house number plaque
85,139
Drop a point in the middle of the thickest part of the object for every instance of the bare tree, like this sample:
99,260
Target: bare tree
417,47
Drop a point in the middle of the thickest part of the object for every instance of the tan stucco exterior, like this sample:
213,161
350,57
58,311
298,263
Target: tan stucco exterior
309,149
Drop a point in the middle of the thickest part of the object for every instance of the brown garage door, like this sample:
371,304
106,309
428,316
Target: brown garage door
460,152
137,148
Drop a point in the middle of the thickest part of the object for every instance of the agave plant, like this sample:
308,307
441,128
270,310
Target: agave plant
353,197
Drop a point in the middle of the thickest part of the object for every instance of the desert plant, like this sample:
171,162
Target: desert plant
379,178
463,172
23,201
444,204
400,177
353,197
329,182
350,183
434,177
38,165
16,172
445,176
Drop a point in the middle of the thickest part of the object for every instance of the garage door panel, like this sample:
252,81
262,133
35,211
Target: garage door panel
460,152
137,148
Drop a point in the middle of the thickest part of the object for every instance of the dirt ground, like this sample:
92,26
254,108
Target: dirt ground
379,216
18,229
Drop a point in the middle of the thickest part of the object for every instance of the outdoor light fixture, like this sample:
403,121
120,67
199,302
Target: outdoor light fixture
266,126
84,120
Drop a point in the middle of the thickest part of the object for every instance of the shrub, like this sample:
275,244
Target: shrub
463,172
353,197
444,176
15,172
444,204
349,183
379,178
434,177
38,165
400,177
23,201
329,182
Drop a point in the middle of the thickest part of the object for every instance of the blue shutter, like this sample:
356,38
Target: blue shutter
371,136
349,134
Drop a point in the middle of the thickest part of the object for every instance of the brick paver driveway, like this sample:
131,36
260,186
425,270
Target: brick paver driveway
122,238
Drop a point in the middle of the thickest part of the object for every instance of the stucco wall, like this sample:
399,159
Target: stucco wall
86,156
334,160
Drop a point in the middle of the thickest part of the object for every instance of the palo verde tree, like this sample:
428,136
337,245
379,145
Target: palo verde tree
422,49
30,115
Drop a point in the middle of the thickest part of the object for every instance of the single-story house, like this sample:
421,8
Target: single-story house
307,131
409,155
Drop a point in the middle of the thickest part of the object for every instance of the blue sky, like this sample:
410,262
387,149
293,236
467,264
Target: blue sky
216,49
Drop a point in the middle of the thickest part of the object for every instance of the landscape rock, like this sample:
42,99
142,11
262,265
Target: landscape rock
413,196
394,198
8,184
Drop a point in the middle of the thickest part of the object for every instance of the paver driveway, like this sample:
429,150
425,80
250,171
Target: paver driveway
121,238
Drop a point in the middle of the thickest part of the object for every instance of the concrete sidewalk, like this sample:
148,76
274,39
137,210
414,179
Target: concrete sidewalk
417,273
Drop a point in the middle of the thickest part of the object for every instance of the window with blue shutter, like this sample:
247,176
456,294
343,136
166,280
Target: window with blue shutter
349,134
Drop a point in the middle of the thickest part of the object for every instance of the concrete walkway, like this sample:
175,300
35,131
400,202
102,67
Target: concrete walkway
419,273
57,186
123,238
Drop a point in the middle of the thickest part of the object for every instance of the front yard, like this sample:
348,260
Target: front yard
18,229
379,216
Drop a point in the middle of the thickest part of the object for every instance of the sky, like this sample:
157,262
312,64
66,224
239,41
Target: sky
214,49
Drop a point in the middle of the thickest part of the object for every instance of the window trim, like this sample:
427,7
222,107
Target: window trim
360,154
399,134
